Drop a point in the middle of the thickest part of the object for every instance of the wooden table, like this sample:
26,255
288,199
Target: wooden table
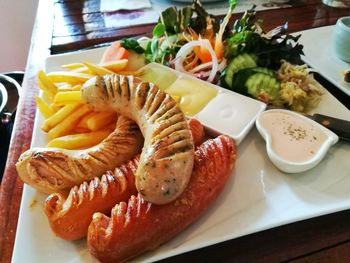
322,239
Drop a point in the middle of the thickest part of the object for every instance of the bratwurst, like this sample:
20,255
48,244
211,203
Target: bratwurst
166,161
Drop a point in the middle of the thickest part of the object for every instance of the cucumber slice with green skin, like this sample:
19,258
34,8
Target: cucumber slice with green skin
264,70
253,83
259,83
242,61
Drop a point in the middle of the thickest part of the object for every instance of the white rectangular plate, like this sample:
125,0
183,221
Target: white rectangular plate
256,197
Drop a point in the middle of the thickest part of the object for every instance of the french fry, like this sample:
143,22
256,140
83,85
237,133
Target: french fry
80,130
69,123
115,66
84,69
77,67
98,70
55,107
82,125
67,97
59,116
64,87
80,140
48,96
69,87
72,66
76,87
45,83
43,107
100,120
68,76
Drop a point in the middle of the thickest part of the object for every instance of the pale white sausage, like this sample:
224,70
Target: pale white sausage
167,157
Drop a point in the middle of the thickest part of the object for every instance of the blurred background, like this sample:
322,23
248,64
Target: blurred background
16,24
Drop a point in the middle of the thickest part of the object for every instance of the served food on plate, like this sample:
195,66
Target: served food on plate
294,142
243,58
137,226
56,170
299,90
191,94
70,216
166,160
96,113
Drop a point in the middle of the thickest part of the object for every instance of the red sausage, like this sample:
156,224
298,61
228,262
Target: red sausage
69,217
138,226
197,131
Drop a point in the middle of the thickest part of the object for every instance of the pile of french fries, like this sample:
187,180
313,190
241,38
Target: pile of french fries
69,123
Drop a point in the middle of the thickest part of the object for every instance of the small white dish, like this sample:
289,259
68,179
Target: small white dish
294,143
227,112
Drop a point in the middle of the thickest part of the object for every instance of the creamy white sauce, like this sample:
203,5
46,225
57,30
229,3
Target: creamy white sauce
292,138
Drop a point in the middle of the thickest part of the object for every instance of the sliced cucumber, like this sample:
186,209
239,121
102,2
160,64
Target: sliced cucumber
254,82
240,62
262,83
264,70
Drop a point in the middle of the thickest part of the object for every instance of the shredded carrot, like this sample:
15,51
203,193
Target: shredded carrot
219,47
202,53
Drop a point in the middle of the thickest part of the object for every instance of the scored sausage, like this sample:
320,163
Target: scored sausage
138,226
166,161
70,216
56,170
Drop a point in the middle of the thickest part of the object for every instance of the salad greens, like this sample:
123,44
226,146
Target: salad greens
132,44
173,21
171,31
249,37
248,59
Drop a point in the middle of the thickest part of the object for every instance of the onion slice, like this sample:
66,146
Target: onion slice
187,48
202,67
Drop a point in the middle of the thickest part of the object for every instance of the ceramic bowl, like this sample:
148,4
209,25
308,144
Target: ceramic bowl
341,39
294,166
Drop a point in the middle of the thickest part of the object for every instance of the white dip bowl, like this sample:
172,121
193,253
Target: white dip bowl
294,143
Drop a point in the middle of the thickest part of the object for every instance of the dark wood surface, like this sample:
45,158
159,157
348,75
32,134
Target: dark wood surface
68,25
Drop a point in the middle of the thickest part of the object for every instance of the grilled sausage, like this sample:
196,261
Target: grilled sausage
166,160
69,217
197,131
138,226
55,170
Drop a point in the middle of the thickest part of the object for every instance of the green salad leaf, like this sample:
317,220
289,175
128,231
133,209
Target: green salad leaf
158,30
249,37
132,44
